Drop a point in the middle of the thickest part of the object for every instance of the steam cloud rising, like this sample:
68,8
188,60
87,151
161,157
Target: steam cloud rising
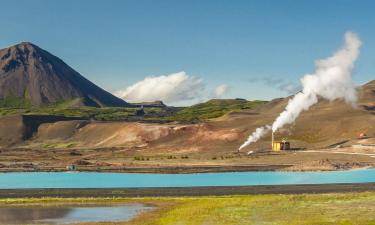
221,91
258,133
331,80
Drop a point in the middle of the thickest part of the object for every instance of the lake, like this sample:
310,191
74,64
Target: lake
52,214
134,180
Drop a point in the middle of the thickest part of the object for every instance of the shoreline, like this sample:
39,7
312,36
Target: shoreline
187,191
188,169
162,170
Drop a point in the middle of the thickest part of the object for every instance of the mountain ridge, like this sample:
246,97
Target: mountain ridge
34,77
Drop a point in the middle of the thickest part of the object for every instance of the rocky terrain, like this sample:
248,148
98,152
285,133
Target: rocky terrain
204,137
324,138
31,76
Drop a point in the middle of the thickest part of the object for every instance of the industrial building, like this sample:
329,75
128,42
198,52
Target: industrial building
279,145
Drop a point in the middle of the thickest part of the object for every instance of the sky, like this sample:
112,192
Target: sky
186,51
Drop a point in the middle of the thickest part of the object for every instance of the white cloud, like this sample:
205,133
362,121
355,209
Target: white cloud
171,89
221,90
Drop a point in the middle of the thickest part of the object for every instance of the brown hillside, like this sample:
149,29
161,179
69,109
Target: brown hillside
323,125
32,76
328,132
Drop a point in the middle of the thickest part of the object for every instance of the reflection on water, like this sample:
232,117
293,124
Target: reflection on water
17,215
68,214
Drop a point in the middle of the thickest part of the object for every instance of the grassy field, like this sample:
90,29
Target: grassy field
313,209
212,109
199,112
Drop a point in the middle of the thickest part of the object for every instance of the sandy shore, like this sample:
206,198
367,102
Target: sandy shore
288,161
106,160
161,169
315,166
187,191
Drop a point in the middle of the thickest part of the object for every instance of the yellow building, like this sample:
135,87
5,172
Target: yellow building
280,145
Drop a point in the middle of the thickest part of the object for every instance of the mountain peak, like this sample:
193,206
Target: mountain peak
23,47
30,74
25,43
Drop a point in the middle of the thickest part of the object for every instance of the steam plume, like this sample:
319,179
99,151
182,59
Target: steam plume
221,90
331,80
258,133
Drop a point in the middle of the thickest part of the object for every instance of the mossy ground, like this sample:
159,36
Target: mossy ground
199,112
213,109
306,209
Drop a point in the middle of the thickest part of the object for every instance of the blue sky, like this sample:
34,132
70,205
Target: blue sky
237,43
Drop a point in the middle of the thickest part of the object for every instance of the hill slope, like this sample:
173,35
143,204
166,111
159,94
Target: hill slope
328,131
326,123
213,108
31,76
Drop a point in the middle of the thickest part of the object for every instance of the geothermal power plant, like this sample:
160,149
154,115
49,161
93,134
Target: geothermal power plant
332,80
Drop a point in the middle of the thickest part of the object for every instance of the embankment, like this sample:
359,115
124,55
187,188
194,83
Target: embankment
187,191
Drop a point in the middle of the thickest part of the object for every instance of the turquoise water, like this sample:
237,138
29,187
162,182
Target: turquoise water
129,180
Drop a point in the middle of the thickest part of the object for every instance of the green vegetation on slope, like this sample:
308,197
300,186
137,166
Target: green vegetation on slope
199,112
67,109
212,109
306,209
14,102
88,112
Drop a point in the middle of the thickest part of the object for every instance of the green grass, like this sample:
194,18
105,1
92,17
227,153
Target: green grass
90,112
63,109
200,112
306,209
212,109
59,145
15,102
329,209
103,114
13,111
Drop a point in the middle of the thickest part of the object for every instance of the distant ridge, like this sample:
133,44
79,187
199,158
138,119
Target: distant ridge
154,104
31,76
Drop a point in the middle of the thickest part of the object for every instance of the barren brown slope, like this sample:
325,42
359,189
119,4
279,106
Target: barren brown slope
31,76
203,147
325,124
